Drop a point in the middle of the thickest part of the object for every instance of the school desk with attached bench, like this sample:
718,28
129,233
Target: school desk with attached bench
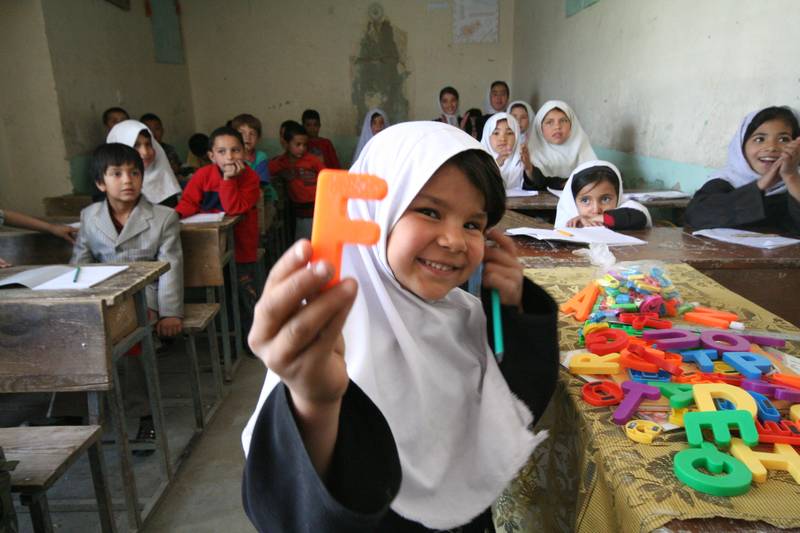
769,278
588,476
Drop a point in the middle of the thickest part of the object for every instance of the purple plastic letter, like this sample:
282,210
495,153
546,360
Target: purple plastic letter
635,393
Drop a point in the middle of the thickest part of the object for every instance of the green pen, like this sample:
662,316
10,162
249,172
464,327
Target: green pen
77,273
497,322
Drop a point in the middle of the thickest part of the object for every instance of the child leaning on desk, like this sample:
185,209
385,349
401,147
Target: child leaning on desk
125,227
21,220
384,408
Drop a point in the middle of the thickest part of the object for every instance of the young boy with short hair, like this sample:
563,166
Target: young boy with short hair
125,227
298,170
113,116
152,121
250,129
319,146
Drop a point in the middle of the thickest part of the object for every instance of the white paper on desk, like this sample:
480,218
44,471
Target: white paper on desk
595,235
203,218
554,192
656,195
89,276
36,276
519,193
746,238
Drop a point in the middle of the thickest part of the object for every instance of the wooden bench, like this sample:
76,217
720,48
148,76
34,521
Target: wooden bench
44,454
196,319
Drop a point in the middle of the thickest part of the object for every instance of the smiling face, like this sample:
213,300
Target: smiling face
596,198
763,147
122,184
449,103
145,148
439,242
556,127
502,138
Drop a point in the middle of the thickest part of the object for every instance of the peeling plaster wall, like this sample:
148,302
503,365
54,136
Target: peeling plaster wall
668,80
275,59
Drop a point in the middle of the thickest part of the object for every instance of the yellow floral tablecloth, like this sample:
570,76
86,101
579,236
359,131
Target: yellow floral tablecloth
588,476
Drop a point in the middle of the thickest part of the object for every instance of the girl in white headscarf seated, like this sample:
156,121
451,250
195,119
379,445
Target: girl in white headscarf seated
556,145
593,197
375,121
384,408
759,188
501,139
448,107
160,185
523,113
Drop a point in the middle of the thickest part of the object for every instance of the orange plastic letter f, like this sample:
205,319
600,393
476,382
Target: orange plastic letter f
332,228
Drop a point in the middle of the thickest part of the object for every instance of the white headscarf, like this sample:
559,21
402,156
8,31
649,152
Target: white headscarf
159,180
366,129
737,170
568,209
448,119
512,168
558,159
460,433
529,109
487,101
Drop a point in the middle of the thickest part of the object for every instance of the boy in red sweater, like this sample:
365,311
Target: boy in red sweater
229,185
298,170
319,146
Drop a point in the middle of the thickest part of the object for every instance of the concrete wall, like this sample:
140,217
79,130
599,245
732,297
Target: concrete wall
32,155
274,59
661,85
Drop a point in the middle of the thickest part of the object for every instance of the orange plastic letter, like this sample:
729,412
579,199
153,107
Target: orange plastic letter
332,228
581,304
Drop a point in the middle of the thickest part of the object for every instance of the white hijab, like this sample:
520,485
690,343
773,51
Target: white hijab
568,209
512,168
487,101
558,159
737,170
448,119
529,109
159,180
366,129
460,432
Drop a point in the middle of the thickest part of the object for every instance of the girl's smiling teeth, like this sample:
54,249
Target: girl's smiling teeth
441,267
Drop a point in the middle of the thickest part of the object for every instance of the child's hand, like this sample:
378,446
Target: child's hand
501,270
526,159
4,264
772,176
235,168
464,121
303,343
790,160
68,233
169,326
585,221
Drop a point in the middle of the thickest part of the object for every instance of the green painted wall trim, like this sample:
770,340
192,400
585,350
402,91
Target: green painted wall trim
652,173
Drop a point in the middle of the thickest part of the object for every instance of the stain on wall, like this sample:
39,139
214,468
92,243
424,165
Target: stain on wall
380,70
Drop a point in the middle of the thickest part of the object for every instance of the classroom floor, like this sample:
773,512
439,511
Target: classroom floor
205,495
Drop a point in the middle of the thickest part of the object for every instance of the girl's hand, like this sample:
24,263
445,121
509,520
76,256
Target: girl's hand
68,233
169,326
585,221
4,264
464,121
772,176
302,342
501,270
790,160
526,159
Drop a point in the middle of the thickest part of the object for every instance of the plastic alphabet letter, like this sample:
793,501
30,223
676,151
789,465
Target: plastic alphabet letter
737,476
635,394
704,394
719,422
784,457
750,365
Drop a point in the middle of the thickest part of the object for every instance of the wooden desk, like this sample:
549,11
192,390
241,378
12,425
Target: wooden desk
208,249
545,201
588,476
69,340
769,278
26,247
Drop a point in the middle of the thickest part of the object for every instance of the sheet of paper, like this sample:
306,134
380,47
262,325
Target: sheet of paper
203,218
519,193
36,276
656,195
747,238
597,235
554,192
89,276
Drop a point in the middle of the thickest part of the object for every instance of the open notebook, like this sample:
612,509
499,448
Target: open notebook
203,218
747,238
62,277
596,235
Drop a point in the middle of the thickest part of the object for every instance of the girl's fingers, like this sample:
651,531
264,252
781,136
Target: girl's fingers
506,243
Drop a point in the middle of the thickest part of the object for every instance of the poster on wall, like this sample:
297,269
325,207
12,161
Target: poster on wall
475,21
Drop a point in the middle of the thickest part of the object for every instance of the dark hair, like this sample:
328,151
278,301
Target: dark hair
591,175
148,117
146,134
198,144
483,173
374,116
287,123
310,114
468,126
113,154
110,110
522,106
448,90
292,129
246,120
224,131
500,82
772,113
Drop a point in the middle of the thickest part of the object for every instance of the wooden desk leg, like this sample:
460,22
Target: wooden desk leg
213,349
237,319
148,356
98,465
194,381
223,326
117,411
40,511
